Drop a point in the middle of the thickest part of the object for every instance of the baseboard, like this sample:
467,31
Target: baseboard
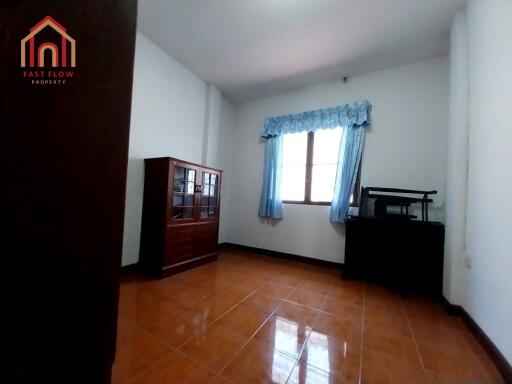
129,269
283,255
452,309
496,356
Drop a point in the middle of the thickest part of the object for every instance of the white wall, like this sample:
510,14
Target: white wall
405,147
217,148
489,223
456,174
168,119
224,150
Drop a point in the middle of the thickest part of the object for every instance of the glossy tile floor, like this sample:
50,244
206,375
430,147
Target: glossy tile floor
252,319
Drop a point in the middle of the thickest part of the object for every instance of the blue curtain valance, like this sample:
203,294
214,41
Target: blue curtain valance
357,113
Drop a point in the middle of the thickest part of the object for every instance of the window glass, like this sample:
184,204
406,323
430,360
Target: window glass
322,165
325,163
295,148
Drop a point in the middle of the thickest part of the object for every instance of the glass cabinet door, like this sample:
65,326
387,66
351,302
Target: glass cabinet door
183,194
209,196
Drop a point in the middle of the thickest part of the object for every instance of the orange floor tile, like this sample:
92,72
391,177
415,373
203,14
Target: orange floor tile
252,319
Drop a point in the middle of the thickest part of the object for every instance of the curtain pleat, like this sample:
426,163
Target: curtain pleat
351,149
270,201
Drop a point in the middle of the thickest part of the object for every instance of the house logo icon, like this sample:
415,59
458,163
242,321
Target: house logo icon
62,50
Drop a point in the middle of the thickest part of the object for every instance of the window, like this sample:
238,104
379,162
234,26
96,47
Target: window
310,161
295,149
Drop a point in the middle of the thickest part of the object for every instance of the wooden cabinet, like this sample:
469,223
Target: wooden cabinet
180,218
406,255
63,162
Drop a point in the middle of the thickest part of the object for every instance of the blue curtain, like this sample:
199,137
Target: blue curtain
351,148
270,200
357,113
352,117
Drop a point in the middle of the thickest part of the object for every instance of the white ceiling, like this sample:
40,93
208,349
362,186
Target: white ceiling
255,48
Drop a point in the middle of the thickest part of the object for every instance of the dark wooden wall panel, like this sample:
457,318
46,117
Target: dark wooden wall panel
63,158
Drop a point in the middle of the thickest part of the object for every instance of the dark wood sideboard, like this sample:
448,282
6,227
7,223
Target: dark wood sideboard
405,255
180,218
63,161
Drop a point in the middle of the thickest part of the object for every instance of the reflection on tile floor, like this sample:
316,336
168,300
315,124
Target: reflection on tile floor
252,319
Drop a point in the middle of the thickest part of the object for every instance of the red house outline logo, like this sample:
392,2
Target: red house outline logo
65,39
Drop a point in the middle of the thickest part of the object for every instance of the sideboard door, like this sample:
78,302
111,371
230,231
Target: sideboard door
63,162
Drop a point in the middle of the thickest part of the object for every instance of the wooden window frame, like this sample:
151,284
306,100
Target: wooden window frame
309,174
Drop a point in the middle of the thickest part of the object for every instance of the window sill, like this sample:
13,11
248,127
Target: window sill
307,202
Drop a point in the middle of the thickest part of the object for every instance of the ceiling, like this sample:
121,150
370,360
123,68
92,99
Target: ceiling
255,48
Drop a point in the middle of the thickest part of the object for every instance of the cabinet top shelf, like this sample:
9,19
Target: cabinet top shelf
173,159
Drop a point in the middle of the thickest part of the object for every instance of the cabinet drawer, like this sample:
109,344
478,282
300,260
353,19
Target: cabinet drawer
179,244
206,239
184,242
